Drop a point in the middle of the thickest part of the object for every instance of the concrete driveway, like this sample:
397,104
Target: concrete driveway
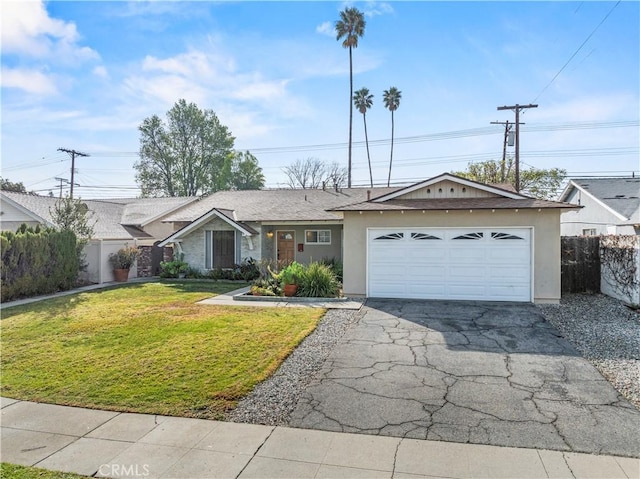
470,372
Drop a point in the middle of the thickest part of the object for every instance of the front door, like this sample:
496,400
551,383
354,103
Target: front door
285,246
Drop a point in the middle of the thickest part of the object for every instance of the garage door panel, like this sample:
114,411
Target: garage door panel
487,264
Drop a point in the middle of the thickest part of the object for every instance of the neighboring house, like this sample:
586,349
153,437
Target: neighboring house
117,222
443,238
610,206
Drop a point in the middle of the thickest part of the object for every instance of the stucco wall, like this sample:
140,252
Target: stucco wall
593,215
545,237
312,252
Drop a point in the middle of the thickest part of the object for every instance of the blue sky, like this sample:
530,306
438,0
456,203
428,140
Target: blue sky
84,75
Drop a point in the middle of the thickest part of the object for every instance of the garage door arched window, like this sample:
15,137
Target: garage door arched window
423,236
390,236
470,236
505,236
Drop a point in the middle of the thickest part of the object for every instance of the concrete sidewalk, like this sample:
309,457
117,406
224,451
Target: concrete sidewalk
111,444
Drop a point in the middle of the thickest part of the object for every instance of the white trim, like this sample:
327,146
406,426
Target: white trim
322,243
595,198
202,220
453,178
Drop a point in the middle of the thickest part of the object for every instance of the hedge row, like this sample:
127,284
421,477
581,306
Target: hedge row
37,261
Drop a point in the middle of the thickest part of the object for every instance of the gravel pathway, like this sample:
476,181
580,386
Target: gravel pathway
273,400
607,333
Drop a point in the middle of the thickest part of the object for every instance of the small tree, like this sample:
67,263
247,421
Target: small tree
539,183
72,214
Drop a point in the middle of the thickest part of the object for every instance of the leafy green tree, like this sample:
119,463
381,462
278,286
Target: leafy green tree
363,100
539,183
351,28
189,155
72,214
6,185
391,98
246,174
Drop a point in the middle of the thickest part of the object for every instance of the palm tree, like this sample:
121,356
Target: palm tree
391,99
363,101
351,27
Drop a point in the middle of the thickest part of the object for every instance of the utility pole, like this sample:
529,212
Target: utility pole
507,129
75,153
517,109
60,180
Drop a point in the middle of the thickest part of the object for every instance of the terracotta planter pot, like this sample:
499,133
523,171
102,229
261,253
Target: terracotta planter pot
121,275
290,289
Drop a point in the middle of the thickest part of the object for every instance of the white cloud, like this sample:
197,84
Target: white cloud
372,9
27,29
327,29
30,81
101,71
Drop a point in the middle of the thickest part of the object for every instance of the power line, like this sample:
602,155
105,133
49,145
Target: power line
576,52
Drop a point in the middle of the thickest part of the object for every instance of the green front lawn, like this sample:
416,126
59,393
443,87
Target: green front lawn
12,471
146,348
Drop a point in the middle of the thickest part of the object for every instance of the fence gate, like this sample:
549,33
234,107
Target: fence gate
580,264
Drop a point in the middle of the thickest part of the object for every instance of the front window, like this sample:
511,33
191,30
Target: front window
317,236
220,249
589,232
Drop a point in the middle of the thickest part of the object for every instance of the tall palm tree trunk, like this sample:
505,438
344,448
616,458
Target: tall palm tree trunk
366,140
391,157
350,115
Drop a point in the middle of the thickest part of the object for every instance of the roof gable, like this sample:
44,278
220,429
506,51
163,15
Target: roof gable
447,186
224,215
619,196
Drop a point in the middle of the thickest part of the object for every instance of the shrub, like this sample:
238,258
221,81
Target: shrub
37,261
291,274
124,257
173,269
335,265
318,281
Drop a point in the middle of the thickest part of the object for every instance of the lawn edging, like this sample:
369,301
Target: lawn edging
287,299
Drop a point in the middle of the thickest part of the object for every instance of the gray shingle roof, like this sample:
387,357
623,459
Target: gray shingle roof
110,216
620,194
455,204
278,205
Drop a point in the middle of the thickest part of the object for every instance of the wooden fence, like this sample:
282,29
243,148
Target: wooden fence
580,264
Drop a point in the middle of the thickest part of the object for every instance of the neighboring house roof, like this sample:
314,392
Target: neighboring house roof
283,205
621,196
120,218
142,211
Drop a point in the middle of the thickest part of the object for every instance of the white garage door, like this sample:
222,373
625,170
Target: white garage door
489,264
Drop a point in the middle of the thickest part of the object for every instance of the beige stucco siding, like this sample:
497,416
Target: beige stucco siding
446,189
545,238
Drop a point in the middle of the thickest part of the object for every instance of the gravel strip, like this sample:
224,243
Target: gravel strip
606,332
272,401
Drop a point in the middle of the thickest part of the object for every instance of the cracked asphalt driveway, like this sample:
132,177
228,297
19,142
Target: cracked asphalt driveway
484,373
